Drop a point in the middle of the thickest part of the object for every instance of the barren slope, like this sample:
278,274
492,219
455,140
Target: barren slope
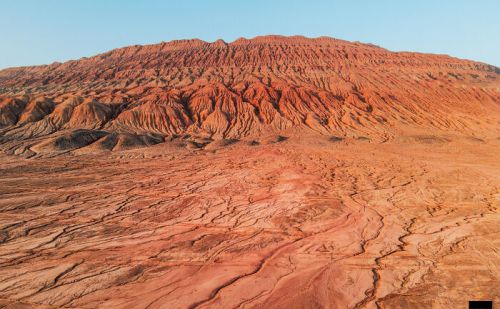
276,172
249,88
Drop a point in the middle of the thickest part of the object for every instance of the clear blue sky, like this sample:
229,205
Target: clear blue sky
44,31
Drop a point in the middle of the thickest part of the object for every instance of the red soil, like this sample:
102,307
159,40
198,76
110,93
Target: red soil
276,172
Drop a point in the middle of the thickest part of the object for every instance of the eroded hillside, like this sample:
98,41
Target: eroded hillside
242,90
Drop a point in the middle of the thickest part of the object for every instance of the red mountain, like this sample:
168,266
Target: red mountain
287,173
245,89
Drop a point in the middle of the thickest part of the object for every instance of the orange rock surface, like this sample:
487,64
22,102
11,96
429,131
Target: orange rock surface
274,172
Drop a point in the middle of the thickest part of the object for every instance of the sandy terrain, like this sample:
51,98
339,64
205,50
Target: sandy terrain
309,222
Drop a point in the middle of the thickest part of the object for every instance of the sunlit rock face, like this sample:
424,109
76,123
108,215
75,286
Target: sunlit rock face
274,172
251,88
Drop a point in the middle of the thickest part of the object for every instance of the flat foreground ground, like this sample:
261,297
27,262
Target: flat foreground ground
302,223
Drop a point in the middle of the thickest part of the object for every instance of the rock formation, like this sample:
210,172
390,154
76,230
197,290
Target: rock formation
251,88
276,172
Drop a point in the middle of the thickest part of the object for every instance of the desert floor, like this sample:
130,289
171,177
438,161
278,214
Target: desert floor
308,222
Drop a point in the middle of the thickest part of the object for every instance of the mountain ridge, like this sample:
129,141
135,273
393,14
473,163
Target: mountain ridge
261,39
250,88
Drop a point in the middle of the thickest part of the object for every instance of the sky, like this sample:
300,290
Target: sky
43,31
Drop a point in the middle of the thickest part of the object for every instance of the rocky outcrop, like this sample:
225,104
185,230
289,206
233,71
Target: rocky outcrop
252,87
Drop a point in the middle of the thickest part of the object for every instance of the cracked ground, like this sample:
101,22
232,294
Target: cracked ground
303,223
